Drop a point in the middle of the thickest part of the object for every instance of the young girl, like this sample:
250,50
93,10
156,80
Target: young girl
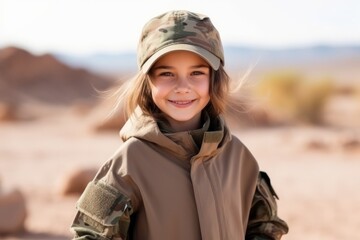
179,173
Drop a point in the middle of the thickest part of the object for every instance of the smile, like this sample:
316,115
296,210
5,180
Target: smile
182,103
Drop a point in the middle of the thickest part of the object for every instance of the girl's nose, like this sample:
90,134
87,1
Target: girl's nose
182,85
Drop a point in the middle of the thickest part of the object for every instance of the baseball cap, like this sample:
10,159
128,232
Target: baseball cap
179,30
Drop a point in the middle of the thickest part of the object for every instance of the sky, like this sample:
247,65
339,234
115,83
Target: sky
111,26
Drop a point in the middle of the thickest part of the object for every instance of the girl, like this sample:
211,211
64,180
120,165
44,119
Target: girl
179,173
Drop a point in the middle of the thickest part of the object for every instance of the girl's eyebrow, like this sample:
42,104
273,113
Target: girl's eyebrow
200,66
170,67
162,67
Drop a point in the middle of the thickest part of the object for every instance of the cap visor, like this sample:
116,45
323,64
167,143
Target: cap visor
213,60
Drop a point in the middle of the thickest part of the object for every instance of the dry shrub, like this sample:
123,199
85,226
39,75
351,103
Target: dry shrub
345,90
288,97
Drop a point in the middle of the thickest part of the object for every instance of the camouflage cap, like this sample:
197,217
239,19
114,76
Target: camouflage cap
179,30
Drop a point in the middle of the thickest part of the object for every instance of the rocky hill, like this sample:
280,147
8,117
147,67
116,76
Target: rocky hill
25,78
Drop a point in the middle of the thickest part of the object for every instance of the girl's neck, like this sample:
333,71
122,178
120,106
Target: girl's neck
182,126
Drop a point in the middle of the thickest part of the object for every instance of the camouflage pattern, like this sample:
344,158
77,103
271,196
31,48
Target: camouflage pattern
179,27
264,222
103,212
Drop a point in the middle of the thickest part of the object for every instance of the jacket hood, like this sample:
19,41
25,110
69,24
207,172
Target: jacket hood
146,128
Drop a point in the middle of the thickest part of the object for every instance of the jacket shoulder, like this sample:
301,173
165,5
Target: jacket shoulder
237,144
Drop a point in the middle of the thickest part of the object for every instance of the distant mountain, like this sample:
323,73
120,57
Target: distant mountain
25,77
235,57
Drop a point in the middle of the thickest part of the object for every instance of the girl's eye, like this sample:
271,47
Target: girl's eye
197,73
166,74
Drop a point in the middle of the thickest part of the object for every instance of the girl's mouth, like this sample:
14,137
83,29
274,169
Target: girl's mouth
181,103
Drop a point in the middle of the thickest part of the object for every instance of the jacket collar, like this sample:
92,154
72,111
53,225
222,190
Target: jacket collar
181,144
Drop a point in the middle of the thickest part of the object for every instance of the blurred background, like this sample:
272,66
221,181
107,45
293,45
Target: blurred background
300,115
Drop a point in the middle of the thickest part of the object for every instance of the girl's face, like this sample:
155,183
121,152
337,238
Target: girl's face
180,88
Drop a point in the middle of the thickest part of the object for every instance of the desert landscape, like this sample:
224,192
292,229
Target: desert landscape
54,133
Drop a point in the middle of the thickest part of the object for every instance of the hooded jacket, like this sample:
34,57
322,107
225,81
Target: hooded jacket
163,185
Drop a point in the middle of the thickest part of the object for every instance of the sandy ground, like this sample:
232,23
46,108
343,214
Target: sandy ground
315,175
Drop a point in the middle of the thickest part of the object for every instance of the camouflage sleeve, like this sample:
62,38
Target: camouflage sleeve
103,213
264,223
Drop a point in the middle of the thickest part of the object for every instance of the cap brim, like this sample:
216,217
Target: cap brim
210,58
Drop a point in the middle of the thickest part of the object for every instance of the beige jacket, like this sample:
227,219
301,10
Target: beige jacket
162,186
